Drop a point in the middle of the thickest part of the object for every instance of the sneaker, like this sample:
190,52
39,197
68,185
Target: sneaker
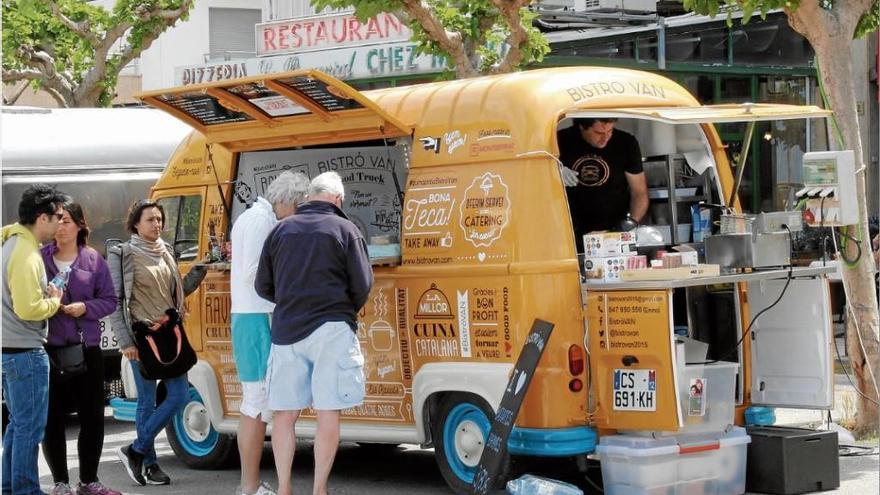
61,488
95,488
155,476
263,489
133,463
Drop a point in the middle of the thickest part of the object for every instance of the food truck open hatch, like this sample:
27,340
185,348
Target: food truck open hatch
298,108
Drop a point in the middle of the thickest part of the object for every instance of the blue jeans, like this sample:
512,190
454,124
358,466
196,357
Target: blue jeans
149,419
26,389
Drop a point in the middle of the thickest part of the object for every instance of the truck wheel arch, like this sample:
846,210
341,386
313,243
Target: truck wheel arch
204,380
434,380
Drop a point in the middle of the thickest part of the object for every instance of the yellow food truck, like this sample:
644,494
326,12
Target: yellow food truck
457,187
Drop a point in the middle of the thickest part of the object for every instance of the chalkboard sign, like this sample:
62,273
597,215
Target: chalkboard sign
267,100
372,199
326,97
206,109
496,445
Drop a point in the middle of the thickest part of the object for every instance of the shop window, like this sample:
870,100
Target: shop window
713,46
182,220
769,43
647,49
682,46
615,49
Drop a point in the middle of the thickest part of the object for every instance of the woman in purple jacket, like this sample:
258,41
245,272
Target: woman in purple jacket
89,296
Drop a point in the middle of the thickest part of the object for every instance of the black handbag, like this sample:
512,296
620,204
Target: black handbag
164,352
68,361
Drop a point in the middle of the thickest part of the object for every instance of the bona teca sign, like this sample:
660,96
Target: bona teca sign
327,32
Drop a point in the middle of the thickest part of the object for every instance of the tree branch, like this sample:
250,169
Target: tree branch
62,102
169,18
84,28
510,12
16,94
448,41
90,89
44,65
14,75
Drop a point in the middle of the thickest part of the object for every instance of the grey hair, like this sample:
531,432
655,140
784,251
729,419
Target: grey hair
327,183
288,188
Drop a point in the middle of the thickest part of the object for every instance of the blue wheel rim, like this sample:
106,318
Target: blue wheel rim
191,445
459,415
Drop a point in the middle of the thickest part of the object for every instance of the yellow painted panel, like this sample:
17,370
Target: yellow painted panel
631,330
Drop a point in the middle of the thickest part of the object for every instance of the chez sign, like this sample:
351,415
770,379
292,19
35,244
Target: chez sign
327,32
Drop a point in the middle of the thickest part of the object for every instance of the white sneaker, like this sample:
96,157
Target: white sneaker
263,489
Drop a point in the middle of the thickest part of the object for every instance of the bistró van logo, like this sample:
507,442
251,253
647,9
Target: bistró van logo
485,210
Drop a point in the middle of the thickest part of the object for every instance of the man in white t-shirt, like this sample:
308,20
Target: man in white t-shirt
251,339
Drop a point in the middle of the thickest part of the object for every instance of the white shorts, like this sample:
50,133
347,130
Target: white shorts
325,370
255,400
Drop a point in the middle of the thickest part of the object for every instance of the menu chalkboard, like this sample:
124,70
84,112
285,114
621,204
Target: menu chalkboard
372,176
496,445
204,108
326,97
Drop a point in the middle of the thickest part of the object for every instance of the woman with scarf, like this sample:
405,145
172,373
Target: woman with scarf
148,285
88,297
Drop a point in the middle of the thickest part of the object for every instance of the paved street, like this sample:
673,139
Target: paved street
361,471
357,470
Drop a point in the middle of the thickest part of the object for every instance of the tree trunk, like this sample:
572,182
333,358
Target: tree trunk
832,46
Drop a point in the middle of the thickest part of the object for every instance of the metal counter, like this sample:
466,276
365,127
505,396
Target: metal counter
754,276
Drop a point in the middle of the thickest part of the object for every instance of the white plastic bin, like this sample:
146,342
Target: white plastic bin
695,464
710,409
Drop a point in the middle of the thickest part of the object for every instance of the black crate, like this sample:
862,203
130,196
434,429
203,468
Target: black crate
788,461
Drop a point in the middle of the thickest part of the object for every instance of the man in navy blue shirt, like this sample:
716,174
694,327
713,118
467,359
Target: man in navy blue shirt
316,269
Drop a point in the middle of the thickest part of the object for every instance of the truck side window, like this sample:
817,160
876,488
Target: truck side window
182,220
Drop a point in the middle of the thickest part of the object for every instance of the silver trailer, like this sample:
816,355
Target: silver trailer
104,158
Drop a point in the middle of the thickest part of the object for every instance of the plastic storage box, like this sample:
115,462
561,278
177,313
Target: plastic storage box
696,464
707,394
787,461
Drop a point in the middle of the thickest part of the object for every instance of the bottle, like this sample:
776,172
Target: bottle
696,223
531,485
61,278
213,244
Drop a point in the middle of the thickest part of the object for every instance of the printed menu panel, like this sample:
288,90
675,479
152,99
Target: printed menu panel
270,102
204,108
327,97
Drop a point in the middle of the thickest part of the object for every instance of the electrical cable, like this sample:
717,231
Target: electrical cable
859,451
755,318
848,377
858,244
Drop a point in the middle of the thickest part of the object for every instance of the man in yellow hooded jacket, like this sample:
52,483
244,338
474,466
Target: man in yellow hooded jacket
28,302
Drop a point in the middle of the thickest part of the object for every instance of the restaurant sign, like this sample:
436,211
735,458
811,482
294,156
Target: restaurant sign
324,32
363,62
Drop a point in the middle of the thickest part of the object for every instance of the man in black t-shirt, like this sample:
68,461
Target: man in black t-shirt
603,174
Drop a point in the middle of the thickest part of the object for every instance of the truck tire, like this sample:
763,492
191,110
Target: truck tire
459,432
194,439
